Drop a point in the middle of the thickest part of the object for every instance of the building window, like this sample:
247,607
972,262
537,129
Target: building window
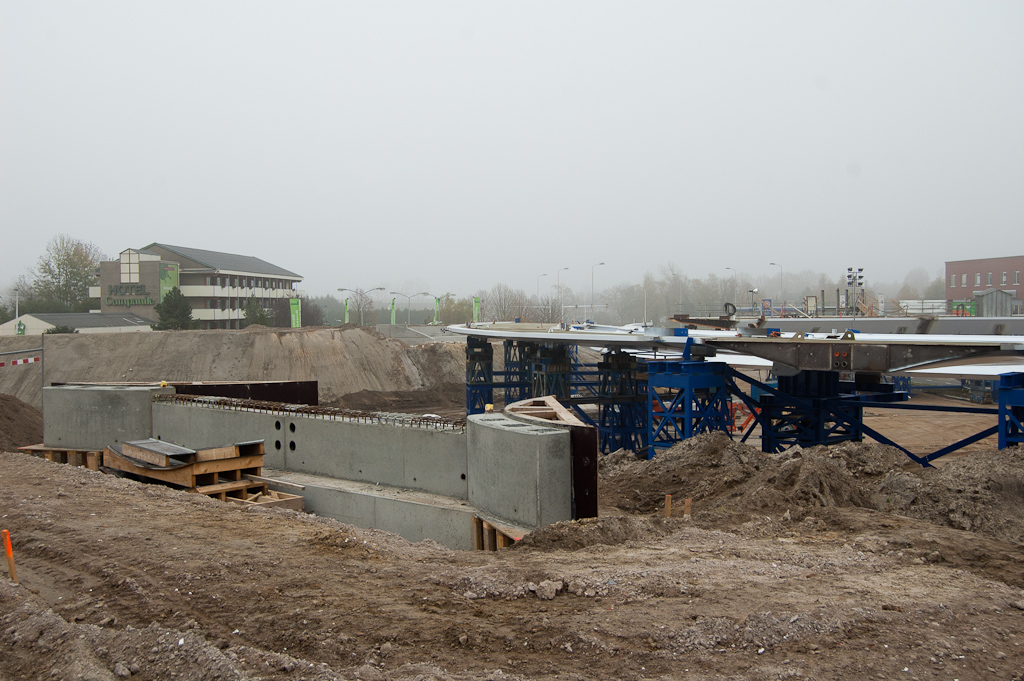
988,279
1016,277
129,267
1003,282
963,280
977,278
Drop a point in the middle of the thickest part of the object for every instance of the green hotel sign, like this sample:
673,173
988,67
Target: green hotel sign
127,295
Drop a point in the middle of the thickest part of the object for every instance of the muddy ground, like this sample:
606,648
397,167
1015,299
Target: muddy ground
795,566
846,562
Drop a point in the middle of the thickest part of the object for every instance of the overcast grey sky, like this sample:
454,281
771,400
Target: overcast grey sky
448,146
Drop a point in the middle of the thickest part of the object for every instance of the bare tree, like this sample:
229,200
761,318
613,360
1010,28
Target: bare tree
65,272
503,303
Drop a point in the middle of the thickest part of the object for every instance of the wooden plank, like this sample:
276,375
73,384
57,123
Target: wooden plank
282,483
279,500
237,463
217,453
227,487
478,534
176,476
92,460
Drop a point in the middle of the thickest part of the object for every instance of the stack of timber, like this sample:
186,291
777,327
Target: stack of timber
230,473
75,457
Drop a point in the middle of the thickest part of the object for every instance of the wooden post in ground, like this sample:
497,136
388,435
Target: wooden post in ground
668,505
686,509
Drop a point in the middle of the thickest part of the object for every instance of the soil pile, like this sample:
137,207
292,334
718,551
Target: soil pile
20,424
120,579
980,491
343,360
447,400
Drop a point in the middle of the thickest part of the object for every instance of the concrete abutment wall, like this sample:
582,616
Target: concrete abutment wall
418,481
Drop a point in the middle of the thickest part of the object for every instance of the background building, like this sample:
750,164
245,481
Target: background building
84,322
965,279
217,284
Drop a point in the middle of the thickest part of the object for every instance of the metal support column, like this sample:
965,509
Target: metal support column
622,422
551,370
1011,410
519,356
809,418
479,374
693,398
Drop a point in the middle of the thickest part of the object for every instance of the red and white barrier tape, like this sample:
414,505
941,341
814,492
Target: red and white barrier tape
27,360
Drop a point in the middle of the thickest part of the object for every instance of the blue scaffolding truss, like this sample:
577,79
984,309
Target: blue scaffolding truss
681,398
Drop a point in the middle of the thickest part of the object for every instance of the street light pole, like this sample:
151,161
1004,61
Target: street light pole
782,290
732,289
408,303
752,292
592,287
538,286
558,285
360,293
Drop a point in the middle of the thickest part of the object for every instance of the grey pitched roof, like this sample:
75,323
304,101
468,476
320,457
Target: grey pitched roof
91,320
230,262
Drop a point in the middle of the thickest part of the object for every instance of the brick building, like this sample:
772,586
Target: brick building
967,278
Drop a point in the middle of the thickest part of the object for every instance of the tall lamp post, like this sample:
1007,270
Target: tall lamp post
732,289
558,285
592,287
408,299
782,290
752,292
360,293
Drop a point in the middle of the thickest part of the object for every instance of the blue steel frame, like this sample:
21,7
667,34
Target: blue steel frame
517,374
698,401
811,408
1011,410
479,374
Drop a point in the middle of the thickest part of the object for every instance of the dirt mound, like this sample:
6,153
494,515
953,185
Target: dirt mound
20,424
571,535
980,491
343,360
448,399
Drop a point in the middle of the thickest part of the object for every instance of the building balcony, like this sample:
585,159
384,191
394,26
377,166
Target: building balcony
216,315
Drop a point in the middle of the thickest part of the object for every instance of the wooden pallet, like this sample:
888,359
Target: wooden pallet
491,535
89,458
230,473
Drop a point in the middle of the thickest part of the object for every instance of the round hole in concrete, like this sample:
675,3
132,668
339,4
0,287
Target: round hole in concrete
277,425
291,427
277,444
463,475
291,446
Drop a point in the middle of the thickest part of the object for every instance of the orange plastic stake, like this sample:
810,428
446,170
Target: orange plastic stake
668,505
686,507
10,555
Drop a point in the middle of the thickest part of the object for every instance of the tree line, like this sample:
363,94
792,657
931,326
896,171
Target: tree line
61,278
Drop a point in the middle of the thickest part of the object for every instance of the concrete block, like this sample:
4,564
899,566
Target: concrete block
519,472
414,458
92,417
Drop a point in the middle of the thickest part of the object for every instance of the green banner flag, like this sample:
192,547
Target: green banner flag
346,310
437,309
168,278
476,308
393,310
296,310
